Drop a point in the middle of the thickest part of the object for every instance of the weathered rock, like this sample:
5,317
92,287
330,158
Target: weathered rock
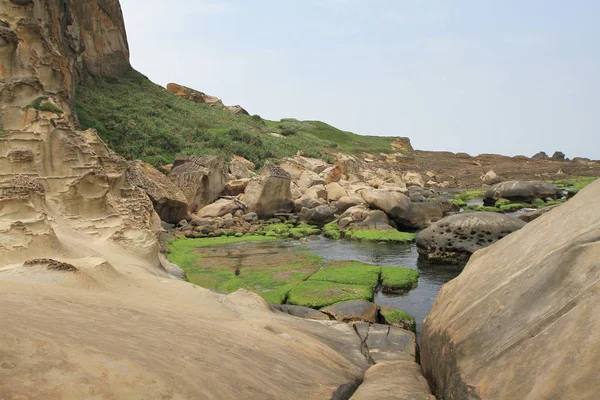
169,202
318,216
558,156
173,270
352,311
201,179
301,312
457,237
218,209
520,192
309,179
252,216
317,191
335,192
490,178
387,343
332,174
535,214
270,193
540,156
236,110
376,219
413,178
307,201
346,202
194,95
237,187
523,312
394,204
240,169
394,380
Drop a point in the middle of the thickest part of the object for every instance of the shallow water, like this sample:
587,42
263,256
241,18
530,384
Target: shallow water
418,301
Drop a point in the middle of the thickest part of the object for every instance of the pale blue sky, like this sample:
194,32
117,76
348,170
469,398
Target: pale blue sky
480,76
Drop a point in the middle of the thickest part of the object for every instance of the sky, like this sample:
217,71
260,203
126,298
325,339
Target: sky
507,77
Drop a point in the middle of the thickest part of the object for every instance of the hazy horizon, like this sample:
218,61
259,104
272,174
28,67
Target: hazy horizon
505,78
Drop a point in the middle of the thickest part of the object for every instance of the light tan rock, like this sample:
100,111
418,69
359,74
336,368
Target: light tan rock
317,191
510,329
194,95
270,192
309,179
169,202
335,192
236,187
394,380
413,178
241,169
219,208
490,178
201,179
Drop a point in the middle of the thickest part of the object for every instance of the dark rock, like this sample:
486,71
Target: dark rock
558,156
318,216
301,312
540,156
521,192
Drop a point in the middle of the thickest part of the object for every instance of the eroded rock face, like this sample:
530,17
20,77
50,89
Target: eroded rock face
270,193
457,237
194,95
201,179
523,311
59,185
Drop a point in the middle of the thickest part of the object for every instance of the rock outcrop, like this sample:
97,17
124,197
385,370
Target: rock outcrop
203,98
523,311
270,193
521,191
455,238
201,179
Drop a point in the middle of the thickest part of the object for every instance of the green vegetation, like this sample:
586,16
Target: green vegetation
287,230
332,231
399,318
472,194
459,202
483,208
141,120
374,235
512,207
318,294
575,183
42,104
3,133
398,279
349,272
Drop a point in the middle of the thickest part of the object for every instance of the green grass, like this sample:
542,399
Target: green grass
374,235
398,279
332,231
318,294
512,207
574,183
42,104
484,208
349,272
459,202
472,194
3,133
141,120
287,230
399,318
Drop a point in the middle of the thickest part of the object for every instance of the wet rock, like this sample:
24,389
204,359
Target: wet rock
533,215
455,238
352,311
394,380
387,343
301,312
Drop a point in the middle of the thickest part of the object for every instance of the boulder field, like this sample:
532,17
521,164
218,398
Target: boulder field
521,321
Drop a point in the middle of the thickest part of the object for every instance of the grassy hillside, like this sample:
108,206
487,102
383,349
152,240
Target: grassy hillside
141,120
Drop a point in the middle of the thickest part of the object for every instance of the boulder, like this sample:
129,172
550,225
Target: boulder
540,156
352,311
522,312
346,202
201,179
307,201
169,202
394,204
394,380
490,178
240,169
219,208
318,216
455,238
413,178
270,193
376,219
296,166
236,187
558,156
309,179
387,343
194,95
521,192
317,191
332,174
236,110
421,215
335,192
301,312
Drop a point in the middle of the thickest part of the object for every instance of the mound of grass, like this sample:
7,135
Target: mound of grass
459,202
472,194
319,294
42,104
287,230
512,207
141,120
398,279
332,231
374,235
349,272
399,318
304,230
484,208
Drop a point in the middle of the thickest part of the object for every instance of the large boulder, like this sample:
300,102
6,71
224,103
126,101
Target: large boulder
490,178
335,191
457,237
523,311
387,343
394,380
309,179
413,178
240,168
319,216
540,156
270,193
168,201
394,204
346,202
219,208
201,179
521,191
558,156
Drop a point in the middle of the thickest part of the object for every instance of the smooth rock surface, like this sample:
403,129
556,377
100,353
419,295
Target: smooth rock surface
521,321
394,380
352,311
387,343
521,191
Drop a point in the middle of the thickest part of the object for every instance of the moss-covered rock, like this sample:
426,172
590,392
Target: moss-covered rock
332,230
374,235
319,294
350,272
398,279
396,317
